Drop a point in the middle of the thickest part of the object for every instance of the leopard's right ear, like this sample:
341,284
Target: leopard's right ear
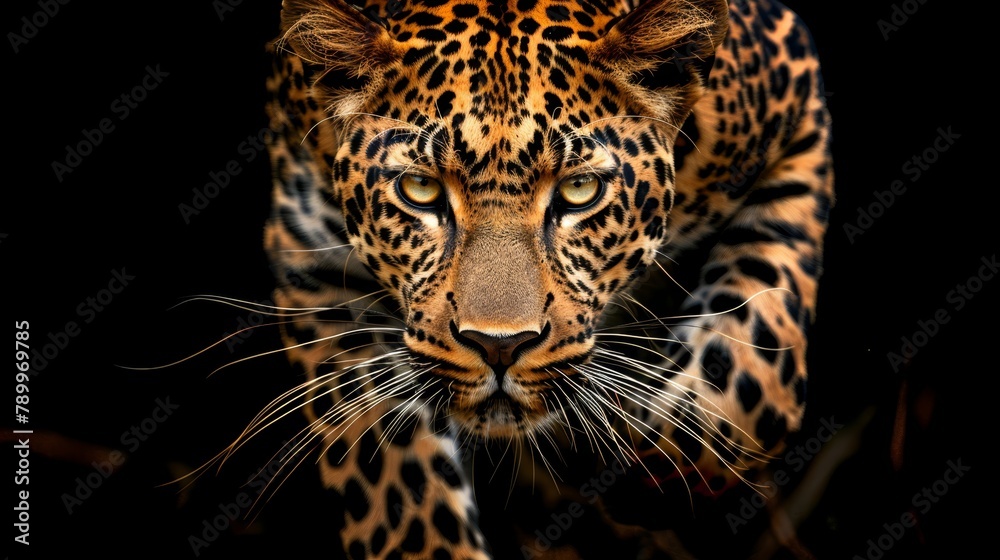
336,37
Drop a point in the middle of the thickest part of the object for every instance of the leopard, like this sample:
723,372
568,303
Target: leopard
583,234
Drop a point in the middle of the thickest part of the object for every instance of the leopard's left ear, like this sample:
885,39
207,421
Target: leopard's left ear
338,38
666,45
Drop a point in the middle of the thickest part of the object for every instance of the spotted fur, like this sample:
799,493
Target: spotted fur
502,310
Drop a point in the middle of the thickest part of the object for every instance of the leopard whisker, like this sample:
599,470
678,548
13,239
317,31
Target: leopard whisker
592,400
602,401
317,250
389,432
638,367
671,278
709,428
295,400
309,343
631,421
660,320
402,386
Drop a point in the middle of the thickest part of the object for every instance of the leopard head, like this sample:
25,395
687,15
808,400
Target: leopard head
504,170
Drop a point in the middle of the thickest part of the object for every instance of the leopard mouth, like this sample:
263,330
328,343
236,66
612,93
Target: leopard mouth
517,402
497,414
500,408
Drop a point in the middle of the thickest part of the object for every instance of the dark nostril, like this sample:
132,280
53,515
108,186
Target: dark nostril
499,350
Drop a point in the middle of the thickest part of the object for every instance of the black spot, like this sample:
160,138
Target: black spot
455,27
446,470
557,33
822,212
337,453
378,540
717,363
800,390
413,477
802,145
356,139
583,18
432,35
721,444
634,259
557,13
726,303
809,264
765,341
528,26
438,76
393,506
748,391
356,501
370,457
771,427
465,11
736,235
788,368
424,19
414,540
787,190
413,56
688,444
558,79
356,551
480,39
442,554
446,523
758,269
552,102
402,429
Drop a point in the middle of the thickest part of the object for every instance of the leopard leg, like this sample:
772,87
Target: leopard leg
730,382
396,475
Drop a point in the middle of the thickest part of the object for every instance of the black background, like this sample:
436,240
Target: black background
119,209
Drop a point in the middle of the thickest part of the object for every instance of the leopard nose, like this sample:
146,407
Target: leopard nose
499,351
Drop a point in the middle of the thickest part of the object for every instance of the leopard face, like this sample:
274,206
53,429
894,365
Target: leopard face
466,194
504,174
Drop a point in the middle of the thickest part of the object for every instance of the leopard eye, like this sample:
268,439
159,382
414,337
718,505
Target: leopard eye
418,190
580,191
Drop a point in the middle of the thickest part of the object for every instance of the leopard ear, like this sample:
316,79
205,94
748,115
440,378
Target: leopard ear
336,36
666,45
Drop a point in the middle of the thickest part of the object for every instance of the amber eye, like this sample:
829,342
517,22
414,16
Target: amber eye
418,190
579,191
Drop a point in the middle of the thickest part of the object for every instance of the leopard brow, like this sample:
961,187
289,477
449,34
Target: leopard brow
406,133
575,141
